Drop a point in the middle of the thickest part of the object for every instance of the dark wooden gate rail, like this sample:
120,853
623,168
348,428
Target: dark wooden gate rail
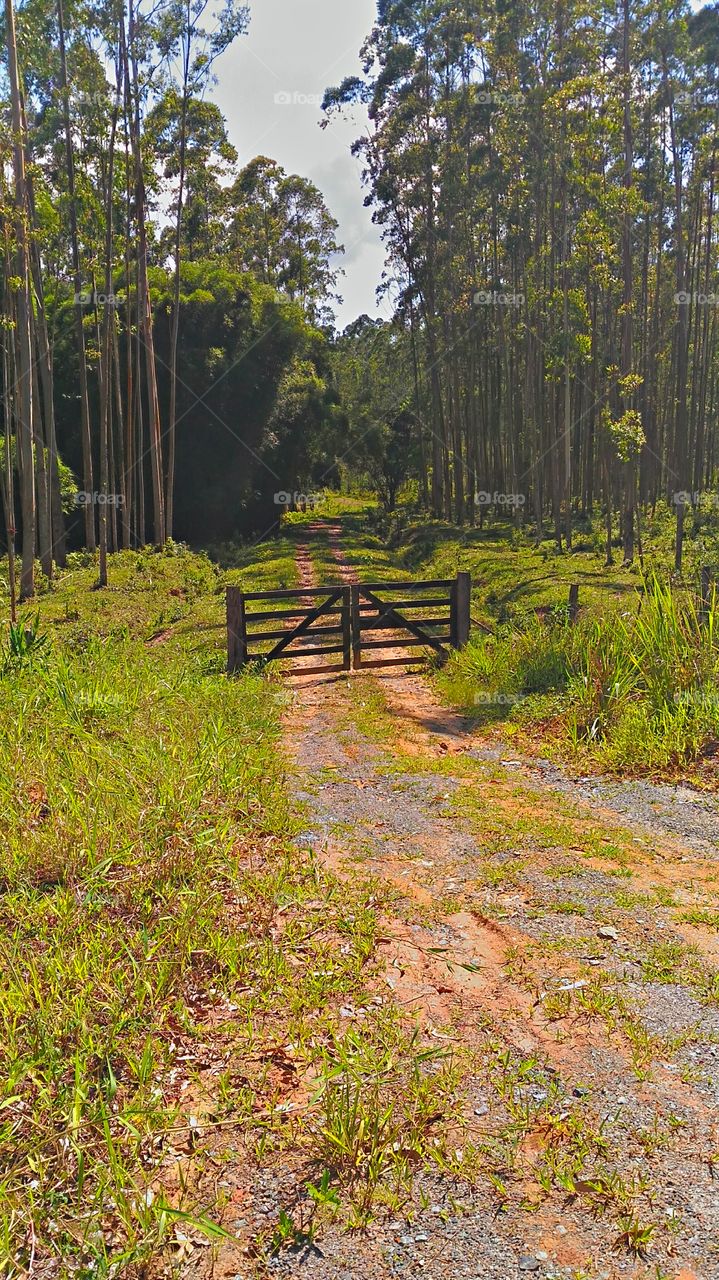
357,612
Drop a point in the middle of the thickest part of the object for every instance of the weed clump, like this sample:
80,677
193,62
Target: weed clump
639,689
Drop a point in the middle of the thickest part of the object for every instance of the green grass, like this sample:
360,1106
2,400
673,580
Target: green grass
163,932
135,782
637,693
166,941
144,824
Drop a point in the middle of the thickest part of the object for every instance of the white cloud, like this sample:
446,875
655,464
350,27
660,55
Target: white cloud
270,83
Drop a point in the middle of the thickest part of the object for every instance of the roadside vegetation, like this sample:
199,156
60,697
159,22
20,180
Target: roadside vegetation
182,977
633,687
636,691
188,987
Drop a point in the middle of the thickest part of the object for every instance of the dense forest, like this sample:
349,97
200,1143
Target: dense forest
165,311
544,179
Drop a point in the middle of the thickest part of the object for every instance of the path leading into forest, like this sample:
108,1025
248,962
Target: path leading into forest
546,945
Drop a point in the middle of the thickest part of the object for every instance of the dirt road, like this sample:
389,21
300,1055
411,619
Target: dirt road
546,945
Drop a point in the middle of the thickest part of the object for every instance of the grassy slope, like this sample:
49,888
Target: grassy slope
146,857
510,574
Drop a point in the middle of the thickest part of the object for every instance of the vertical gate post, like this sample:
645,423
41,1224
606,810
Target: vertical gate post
706,593
573,603
459,610
236,630
346,628
356,634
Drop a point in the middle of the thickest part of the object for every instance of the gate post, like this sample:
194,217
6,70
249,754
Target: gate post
706,593
356,634
346,628
236,630
459,599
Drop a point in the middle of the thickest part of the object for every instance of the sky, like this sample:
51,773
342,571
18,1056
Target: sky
270,86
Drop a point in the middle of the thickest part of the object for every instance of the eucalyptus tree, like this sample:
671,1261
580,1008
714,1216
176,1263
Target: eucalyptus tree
77,275
373,371
545,181
193,49
21,376
281,229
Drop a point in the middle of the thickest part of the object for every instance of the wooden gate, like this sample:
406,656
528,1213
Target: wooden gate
438,621
364,618
312,604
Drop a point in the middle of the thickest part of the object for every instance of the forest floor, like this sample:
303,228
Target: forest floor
553,950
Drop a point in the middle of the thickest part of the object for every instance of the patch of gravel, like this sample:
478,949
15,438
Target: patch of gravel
352,799
473,1242
673,810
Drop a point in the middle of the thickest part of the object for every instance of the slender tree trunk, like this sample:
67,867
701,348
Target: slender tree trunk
86,432
144,305
8,477
175,325
108,324
57,548
23,335
627,288
42,487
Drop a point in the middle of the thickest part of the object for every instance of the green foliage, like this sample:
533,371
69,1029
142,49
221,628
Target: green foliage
626,433
282,231
638,690
371,363
24,642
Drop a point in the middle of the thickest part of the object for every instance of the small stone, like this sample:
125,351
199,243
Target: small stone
406,1240
608,931
528,1263
560,1230
580,1092
541,1255
481,1111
